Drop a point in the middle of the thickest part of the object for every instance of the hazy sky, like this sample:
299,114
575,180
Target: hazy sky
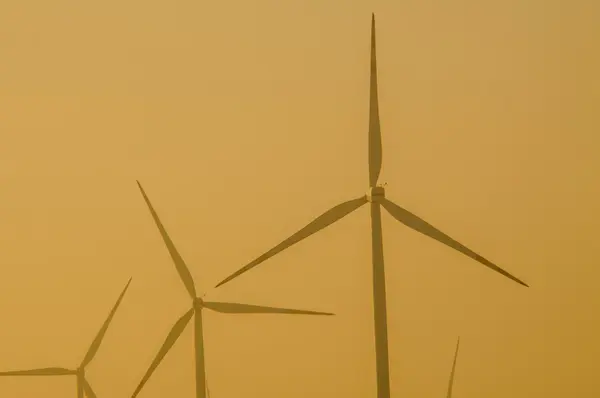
246,119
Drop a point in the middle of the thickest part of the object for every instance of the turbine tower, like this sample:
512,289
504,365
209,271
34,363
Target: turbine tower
198,305
451,380
83,386
376,199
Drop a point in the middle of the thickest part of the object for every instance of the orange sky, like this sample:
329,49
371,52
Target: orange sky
244,120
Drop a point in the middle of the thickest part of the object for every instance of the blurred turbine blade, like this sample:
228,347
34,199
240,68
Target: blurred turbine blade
451,381
418,224
324,220
102,332
88,389
182,269
375,147
172,337
236,308
39,372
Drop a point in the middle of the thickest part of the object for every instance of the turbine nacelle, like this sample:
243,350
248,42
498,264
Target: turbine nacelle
376,194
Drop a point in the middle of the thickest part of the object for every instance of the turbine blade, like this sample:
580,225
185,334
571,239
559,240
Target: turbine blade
88,389
324,220
172,337
182,269
102,332
39,372
451,381
375,147
236,308
418,224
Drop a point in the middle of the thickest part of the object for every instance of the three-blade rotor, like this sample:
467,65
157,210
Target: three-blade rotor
222,307
89,356
343,209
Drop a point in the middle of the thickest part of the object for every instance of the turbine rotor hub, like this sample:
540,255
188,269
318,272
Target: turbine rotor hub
376,194
198,303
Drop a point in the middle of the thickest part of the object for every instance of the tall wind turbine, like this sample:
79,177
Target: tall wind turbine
376,198
198,305
452,372
83,386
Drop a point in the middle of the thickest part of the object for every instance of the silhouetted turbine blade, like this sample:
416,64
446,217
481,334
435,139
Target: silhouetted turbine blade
418,224
182,269
102,332
88,389
375,148
172,337
40,372
236,308
451,381
324,220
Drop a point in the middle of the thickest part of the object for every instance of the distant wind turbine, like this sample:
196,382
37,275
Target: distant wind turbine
83,386
452,372
376,198
198,304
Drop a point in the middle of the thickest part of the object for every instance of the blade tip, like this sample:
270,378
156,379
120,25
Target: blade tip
520,282
140,187
224,281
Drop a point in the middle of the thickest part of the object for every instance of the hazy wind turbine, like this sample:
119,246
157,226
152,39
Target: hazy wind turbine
82,383
196,312
451,380
376,198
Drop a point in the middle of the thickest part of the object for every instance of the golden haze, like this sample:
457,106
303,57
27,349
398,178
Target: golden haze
246,119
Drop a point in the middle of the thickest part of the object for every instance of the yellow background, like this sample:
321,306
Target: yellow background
246,119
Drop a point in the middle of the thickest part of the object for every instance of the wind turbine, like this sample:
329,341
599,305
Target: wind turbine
83,386
198,305
376,198
451,380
